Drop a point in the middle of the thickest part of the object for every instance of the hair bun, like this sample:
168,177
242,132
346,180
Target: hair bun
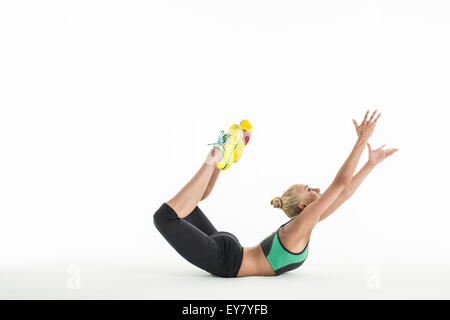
277,202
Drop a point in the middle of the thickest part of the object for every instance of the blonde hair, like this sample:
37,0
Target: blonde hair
288,202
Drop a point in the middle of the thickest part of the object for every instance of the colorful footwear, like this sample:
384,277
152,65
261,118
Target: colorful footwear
246,128
227,143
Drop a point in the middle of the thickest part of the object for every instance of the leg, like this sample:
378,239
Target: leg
201,221
212,182
187,198
189,241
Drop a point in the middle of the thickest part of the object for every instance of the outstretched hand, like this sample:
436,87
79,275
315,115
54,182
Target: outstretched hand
378,155
366,128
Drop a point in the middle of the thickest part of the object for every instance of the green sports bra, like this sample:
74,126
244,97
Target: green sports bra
280,259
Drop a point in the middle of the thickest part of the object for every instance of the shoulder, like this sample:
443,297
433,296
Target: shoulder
291,243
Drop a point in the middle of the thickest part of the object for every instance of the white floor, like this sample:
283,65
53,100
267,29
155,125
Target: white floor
145,280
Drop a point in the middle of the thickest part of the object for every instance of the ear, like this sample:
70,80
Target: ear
301,206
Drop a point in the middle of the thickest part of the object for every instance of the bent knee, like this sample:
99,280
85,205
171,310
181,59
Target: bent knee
163,216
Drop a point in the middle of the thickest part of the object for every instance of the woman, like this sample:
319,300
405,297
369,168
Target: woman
190,232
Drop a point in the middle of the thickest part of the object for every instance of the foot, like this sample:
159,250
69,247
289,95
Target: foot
246,128
227,144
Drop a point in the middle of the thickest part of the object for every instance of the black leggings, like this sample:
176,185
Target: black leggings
196,239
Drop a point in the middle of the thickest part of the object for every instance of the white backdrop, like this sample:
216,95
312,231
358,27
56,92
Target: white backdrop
99,98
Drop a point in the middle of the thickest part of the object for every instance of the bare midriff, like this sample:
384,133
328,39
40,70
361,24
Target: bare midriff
254,263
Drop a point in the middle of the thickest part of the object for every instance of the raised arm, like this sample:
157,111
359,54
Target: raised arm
375,157
301,226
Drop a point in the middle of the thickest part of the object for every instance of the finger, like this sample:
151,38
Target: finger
370,148
373,114
381,147
365,117
378,117
356,126
390,152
